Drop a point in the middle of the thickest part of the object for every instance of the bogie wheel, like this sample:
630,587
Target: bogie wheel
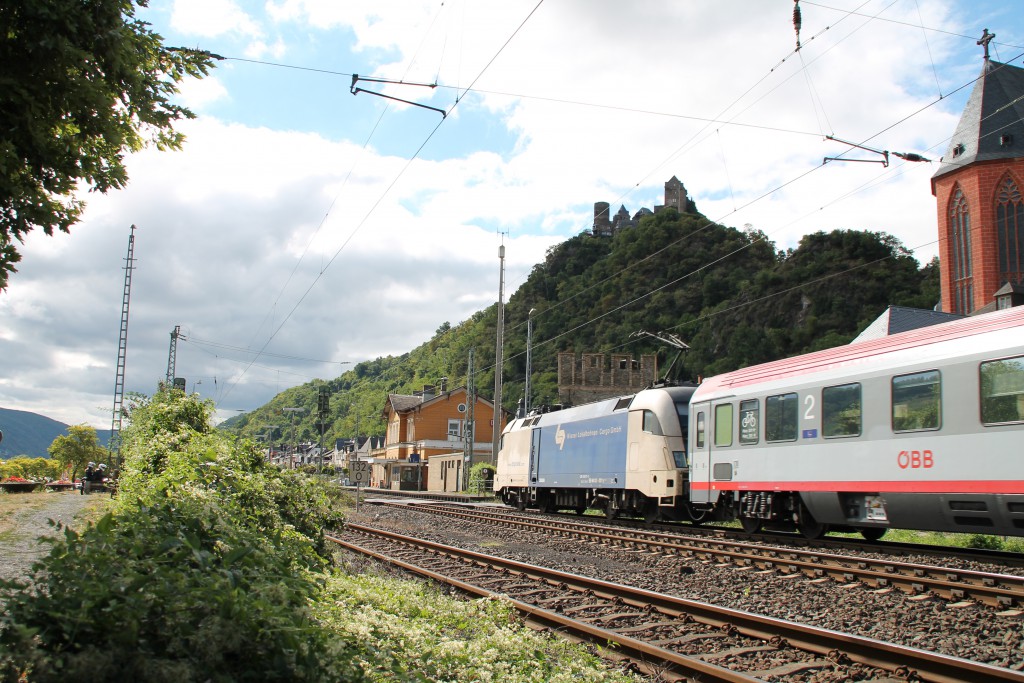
809,527
610,511
521,503
872,533
580,510
651,513
697,517
544,504
751,525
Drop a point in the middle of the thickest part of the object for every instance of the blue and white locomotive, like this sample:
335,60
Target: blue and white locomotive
621,455
919,430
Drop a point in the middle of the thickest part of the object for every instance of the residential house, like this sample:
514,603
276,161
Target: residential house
425,446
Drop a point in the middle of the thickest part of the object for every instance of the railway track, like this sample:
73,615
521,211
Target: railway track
953,584
666,636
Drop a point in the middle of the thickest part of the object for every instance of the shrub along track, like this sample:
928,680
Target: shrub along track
667,636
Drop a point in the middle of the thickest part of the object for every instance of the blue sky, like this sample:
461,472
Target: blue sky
324,229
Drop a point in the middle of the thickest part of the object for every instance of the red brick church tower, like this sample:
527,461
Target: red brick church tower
979,190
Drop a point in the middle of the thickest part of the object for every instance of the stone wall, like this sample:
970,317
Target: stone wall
596,376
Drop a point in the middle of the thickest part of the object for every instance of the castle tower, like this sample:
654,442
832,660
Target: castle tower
675,195
979,192
602,219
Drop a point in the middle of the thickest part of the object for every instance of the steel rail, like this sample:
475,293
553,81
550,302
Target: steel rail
647,656
998,590
928,666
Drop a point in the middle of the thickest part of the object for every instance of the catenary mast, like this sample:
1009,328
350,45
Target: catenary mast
114,447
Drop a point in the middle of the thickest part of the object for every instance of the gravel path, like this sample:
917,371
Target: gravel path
19,542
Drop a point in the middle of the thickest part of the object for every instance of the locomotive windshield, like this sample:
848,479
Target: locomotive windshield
683,413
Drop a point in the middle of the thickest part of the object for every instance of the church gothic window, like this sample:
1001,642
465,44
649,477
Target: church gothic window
1010,231
960,247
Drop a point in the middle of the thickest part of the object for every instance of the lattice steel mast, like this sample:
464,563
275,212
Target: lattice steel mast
114,452
172,356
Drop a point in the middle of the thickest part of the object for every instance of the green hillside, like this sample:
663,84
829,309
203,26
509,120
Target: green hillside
30,434
729,294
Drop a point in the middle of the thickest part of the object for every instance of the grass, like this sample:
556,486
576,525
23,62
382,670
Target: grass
952,540
419,634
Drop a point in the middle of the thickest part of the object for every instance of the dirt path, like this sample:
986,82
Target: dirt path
24,518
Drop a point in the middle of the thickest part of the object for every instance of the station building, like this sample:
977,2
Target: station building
427,446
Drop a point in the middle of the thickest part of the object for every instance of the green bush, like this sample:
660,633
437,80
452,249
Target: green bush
481,477
173,593
204,572
984,542
205,465
213,567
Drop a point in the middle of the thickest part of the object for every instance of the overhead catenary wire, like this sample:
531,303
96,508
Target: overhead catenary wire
468,89
931,60
386,191
711,223
779,187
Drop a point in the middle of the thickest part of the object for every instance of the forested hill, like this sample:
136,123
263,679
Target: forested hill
729,294
29,434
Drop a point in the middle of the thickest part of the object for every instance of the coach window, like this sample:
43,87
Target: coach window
651,424
781,416
1002,391
700,429
750,421
723,425
841,410
917,401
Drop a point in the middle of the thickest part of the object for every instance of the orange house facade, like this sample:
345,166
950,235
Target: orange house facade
425,445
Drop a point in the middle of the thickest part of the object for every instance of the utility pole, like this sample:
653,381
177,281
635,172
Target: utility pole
269,440
356,450
469,435
498,356
295,446
323,408
114,446
529,362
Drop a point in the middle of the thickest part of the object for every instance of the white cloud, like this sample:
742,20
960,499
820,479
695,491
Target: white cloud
276,228
212,18
198,95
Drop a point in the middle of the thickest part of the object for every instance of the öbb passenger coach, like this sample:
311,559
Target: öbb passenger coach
918,430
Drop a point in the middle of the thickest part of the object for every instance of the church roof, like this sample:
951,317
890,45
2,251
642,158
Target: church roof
898,319
992,124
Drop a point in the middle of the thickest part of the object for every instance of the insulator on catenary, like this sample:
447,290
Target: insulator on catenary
797,21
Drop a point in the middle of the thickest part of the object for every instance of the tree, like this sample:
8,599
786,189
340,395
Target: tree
36,469
76,448
84,83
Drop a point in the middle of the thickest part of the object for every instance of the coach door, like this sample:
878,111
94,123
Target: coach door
534,455
700,453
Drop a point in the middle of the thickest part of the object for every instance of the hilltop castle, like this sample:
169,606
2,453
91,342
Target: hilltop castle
606,225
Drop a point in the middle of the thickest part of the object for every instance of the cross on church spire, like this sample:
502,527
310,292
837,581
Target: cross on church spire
986,38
